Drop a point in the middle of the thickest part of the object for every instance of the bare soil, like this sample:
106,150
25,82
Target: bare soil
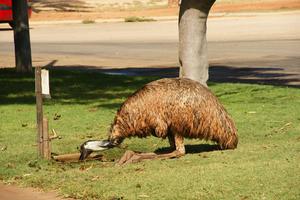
171,11
13,192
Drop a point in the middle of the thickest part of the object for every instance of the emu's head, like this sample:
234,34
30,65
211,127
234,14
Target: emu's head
115,137
91,146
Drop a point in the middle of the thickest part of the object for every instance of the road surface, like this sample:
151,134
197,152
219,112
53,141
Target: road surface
263,48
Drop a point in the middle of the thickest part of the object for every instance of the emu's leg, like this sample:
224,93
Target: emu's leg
133,157
179,144
171,139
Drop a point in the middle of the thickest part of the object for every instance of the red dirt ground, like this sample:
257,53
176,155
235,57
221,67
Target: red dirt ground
11,192
172,11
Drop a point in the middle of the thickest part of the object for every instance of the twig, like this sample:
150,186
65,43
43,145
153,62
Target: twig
283,127
54,136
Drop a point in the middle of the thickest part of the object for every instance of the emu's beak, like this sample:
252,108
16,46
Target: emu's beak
84,153
93,145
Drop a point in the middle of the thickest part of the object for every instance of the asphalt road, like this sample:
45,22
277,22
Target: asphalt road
255,48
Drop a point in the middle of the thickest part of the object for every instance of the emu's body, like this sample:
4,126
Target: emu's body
174,108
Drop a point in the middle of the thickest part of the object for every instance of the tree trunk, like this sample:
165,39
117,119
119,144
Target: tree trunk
192,39
21,36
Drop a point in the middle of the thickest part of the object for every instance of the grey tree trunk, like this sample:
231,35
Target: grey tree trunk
192,39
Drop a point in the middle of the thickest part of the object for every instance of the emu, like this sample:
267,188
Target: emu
173,108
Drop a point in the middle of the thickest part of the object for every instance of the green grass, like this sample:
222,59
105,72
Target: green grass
264,166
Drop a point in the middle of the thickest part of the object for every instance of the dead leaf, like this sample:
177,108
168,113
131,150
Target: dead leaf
265,147
56,116
139,169
93,109
4,148
10,165
95,178
24,175
24,125
203,155
85,168
116,198
283,128
34,164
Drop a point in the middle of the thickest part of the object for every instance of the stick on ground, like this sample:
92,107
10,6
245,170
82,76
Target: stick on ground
74,157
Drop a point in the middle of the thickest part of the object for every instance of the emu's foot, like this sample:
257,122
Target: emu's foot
134,157
126,157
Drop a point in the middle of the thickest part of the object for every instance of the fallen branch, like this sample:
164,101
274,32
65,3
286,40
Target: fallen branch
74,157
134,157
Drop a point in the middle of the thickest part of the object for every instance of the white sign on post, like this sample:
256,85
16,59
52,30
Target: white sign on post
45,83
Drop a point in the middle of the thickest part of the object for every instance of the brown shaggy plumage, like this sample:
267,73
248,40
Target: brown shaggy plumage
174,106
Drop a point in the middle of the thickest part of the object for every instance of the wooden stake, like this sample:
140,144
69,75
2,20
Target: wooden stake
46,140
39,109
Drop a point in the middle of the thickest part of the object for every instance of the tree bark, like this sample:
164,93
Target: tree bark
21,36
193,57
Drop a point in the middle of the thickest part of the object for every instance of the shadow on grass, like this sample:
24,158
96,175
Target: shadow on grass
192,148
218,73
222,74
70,87
254,75
84,84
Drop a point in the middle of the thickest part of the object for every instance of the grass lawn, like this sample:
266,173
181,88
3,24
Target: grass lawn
266,164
